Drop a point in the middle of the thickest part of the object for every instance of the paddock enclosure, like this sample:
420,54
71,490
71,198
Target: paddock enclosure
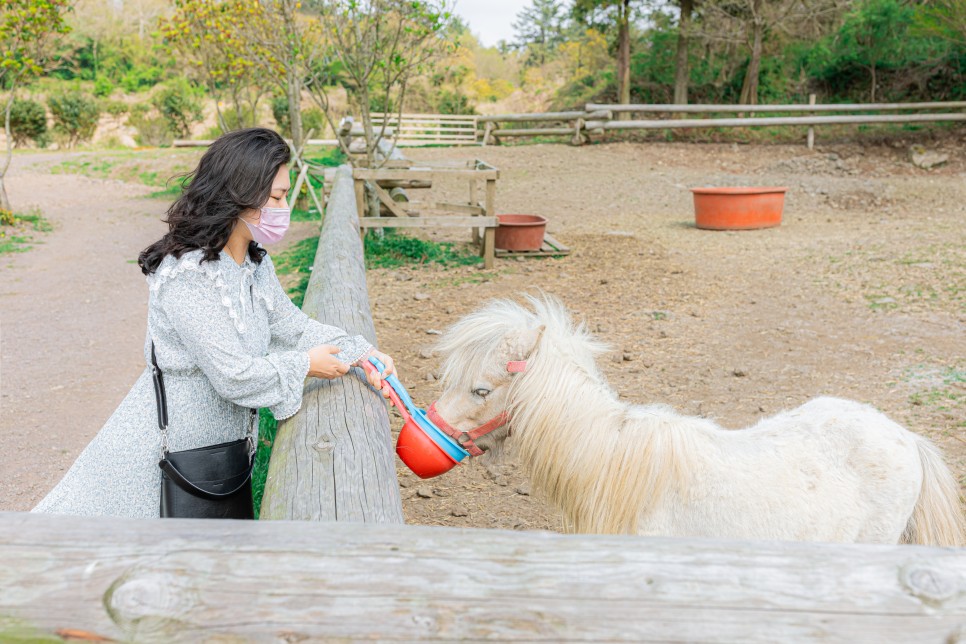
368,578
859,293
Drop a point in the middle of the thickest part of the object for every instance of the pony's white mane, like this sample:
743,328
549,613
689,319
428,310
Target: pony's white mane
599,460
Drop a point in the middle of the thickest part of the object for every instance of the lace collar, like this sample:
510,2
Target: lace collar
224,273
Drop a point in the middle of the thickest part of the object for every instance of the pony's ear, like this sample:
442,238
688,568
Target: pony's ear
529,341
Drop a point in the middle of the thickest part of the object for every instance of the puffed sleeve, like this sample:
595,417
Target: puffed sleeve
192,305
293,330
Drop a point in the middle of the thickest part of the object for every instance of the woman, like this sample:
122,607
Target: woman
226,336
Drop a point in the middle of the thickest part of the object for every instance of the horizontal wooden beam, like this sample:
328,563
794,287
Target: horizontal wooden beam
414,184
440,117
775,120
461,207
163,580
423,173
428,222
821,107
539,116
540,131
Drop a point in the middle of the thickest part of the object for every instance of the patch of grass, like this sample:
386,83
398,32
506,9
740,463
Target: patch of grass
393,250
305,215
327,157
15,229
267,428
880,302
89,168
945,390
13,243
297,260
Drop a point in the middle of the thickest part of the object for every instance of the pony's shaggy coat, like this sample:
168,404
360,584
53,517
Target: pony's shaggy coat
830,470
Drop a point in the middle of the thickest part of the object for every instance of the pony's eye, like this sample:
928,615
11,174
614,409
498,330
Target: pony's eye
481,392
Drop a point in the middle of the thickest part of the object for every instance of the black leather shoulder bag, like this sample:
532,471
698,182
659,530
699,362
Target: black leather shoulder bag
212,482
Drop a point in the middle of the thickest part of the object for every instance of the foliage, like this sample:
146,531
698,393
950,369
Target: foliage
180,106
208,35
153,129
540,30
382,45
28,31
75,116
876,46
28,121
280,112
103,86
16,229
396,249
141,77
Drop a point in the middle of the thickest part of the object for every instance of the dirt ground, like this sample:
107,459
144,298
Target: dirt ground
860,293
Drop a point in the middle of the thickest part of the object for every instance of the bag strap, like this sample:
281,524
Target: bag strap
161,400
172,471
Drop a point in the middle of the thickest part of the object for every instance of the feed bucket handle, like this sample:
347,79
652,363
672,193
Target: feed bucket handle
395,384
393,396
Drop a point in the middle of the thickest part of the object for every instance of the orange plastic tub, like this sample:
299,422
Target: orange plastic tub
738,208
520,232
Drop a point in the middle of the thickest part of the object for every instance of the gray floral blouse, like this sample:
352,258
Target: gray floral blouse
227,338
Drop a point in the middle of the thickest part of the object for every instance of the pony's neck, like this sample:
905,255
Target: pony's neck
603,462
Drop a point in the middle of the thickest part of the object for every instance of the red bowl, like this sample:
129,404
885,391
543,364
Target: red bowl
420,453
520,232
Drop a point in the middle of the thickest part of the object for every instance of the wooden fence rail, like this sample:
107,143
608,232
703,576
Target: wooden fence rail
334,459
194,580
597,118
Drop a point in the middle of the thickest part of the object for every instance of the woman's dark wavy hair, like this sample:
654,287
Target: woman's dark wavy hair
236,173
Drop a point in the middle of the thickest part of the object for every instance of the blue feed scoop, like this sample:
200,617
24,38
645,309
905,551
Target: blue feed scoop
447,443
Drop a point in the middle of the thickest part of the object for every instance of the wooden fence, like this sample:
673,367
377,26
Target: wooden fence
598,118
288,581
334,459
425,129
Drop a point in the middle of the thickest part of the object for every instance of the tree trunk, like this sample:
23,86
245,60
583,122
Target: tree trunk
681,71
872,93
4,200
624,58
749,90
295,108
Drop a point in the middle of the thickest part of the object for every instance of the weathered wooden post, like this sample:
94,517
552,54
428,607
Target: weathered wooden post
334,460
811,130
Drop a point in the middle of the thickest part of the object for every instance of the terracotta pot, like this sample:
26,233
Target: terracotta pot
520,232
738,208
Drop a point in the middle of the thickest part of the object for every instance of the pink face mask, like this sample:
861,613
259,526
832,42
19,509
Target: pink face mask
272,225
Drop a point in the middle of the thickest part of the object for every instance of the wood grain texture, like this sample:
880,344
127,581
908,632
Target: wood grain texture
334,459
220,580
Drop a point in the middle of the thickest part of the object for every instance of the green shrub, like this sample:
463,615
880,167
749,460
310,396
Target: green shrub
153,129
103,87
313,119
75,116
178,104
141,77
28,121
116,109
280,113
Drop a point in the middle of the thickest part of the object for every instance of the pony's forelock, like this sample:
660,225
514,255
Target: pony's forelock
468,346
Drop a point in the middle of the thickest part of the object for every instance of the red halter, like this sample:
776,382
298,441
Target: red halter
514,366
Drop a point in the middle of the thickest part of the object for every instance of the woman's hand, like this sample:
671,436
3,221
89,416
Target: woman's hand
323,363
375,378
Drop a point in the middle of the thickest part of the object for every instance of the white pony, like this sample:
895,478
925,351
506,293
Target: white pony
830,470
